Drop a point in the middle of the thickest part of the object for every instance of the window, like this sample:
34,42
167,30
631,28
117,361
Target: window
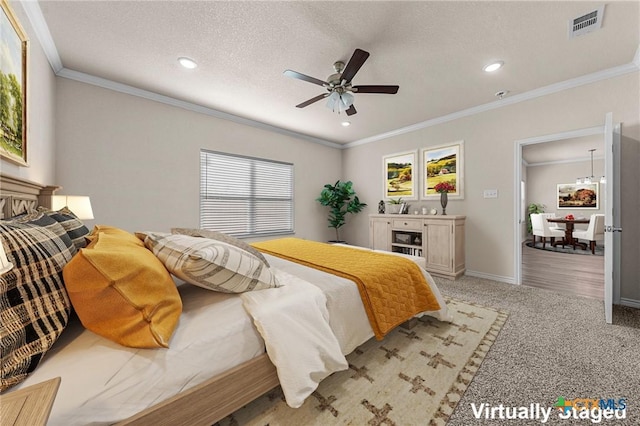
244,196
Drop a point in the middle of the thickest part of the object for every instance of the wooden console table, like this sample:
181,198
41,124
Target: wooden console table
439,239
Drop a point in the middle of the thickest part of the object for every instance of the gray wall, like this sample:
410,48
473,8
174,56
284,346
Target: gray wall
489,164
139,159
542,181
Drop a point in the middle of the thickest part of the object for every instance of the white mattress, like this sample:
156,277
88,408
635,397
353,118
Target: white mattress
103,382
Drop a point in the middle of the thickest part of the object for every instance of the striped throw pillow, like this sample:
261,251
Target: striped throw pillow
208,263
41,219
34,304
215,235
74,226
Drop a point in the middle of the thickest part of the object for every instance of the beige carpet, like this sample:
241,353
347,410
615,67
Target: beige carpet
412,377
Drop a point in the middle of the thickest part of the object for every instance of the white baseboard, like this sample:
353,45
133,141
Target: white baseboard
500,278
630,303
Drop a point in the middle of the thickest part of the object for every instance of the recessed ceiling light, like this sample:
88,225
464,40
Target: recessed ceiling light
495,66
187,62
346,123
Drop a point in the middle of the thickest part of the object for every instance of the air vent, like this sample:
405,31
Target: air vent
586,23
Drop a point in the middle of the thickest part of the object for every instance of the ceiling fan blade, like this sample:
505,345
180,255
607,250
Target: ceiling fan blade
392,90
303,77
351,110
312,100
356,61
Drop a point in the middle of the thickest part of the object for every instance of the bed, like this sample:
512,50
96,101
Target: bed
106,383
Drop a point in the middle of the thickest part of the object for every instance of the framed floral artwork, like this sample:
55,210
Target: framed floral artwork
399,175
13,88
443,171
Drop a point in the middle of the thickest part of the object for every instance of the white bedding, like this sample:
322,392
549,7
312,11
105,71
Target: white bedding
103,382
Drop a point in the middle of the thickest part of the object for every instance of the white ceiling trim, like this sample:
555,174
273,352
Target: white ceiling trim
532,94
554,162
134,91
34,13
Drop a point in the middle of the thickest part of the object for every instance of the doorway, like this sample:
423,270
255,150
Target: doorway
550,160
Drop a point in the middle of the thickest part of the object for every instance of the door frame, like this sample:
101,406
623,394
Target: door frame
590,131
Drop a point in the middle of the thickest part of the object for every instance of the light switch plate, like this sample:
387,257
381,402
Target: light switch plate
490,193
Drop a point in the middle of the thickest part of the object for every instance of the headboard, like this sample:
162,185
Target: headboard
19,195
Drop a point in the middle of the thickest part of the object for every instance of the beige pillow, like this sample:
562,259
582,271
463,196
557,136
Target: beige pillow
122,292
215,235
211,264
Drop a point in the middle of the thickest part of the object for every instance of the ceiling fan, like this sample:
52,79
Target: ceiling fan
338,85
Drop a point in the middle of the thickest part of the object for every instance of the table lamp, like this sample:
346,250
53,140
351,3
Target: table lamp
78,204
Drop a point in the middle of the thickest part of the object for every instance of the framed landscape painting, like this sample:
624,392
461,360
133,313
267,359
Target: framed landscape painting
13,87
578,196
443,164
399,173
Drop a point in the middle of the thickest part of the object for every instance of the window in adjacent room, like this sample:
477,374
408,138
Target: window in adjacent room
245,196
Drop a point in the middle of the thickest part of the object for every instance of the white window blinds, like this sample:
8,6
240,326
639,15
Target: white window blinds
244,196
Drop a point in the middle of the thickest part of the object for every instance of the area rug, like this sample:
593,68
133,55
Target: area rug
412,377
568,249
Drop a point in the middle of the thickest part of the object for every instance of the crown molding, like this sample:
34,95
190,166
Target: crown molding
532,94
555,162
141,93
34,13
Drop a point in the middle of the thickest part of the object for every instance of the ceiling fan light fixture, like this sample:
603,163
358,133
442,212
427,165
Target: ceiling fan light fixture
347,99
187,62
494,66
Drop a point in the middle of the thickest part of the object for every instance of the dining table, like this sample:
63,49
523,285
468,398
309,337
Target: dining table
569,225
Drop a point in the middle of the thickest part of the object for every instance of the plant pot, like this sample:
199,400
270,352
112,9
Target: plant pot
393,208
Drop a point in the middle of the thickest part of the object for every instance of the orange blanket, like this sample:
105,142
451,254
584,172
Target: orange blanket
393,289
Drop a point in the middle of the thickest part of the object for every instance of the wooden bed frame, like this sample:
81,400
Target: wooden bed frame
203,404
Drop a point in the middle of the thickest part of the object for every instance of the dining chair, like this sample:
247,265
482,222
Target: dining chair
555,226
593,233
541,229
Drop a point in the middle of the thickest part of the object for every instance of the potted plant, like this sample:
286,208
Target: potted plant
341,199
395,205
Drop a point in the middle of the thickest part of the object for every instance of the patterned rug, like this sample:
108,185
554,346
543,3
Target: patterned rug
568,249
412,377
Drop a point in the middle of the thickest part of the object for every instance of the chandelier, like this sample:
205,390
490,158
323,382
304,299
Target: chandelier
591,178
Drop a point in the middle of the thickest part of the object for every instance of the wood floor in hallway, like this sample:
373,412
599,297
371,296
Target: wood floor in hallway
581,275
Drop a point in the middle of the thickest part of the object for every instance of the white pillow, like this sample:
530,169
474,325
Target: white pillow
210,264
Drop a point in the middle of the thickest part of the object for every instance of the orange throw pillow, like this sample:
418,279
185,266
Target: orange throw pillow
122,292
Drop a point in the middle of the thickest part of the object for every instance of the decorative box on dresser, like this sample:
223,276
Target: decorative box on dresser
439,239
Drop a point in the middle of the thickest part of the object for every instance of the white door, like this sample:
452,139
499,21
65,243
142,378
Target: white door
612,214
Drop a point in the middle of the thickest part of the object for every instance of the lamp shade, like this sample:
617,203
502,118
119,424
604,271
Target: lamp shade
78,204
5,265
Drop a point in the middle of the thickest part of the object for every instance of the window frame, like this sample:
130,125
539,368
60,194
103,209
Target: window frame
252,198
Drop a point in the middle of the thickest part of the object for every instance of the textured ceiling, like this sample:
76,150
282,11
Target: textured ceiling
434,51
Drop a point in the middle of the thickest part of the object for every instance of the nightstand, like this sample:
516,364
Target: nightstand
30,406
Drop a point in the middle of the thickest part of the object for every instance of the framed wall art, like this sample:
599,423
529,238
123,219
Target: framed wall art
578,196
399,172
443,169
14,48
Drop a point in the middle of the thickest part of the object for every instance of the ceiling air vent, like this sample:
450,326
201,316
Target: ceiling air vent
586,23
